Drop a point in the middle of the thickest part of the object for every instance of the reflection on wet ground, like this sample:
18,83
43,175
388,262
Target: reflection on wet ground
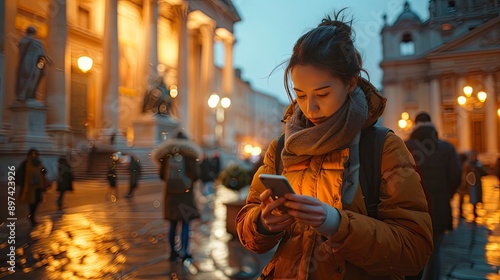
127,240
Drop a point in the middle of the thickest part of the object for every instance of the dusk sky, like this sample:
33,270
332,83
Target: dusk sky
269,28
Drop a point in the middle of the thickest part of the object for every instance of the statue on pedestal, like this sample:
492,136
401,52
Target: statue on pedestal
32,60
158,99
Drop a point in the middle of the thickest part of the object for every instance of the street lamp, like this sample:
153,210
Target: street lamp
215,102
471,102
85,63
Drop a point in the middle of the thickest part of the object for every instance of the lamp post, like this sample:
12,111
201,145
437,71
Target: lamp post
469,102
219,104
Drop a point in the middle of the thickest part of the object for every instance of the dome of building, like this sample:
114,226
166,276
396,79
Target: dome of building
407,15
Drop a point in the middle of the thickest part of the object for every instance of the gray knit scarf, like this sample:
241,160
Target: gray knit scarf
304,140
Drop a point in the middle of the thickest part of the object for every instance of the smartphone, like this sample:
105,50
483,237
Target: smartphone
279,185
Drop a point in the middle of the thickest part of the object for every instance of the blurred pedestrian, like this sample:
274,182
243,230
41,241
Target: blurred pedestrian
179,169
64,180
464,188
474,171
441,173
31,177
135,172
207,175
326,231
91,159
216,165
112,191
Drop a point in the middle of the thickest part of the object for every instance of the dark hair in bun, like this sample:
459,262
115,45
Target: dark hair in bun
329,46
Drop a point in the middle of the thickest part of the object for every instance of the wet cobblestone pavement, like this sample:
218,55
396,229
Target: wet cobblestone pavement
127,239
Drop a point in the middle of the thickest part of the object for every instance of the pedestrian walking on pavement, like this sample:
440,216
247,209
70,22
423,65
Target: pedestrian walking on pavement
474,171
464,188
135,172
326,232
32,180
441,173
64,180
179,169
112,191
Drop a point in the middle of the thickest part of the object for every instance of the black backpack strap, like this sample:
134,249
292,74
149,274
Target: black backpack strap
371,146
277,159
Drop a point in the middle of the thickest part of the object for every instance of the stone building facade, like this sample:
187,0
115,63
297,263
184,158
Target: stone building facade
427,63
133,44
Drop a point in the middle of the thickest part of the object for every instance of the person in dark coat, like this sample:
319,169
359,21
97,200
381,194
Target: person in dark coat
179,203
31,179
474,170
441,174
135,173
208,175
64,180
112,192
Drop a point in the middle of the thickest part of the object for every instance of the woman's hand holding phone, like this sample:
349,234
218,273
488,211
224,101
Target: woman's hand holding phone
271,217
305,209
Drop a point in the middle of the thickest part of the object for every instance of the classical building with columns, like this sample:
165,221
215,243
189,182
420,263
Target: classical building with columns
428,63
132,44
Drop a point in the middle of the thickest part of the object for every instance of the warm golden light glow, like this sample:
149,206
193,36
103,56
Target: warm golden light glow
498,113
461,100
470,101
468,91
256,151
173,91
405,116
213,100
225,102
481,96
85,63
402,123
248,148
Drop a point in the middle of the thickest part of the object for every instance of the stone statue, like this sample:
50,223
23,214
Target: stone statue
158,99
32,60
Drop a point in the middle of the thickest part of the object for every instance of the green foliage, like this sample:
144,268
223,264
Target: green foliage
234,177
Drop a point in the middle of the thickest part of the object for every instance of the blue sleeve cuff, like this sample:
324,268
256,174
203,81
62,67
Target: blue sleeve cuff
331,224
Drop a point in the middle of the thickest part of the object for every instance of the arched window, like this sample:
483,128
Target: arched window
407,46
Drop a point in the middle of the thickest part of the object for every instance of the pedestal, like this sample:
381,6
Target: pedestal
28,120
151,131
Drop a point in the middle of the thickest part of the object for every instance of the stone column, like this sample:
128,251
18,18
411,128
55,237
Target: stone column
491,116
183,104
151,23
228,70
110,72
463,122
57,90
10,54
436,106
227,89
206,83
2,50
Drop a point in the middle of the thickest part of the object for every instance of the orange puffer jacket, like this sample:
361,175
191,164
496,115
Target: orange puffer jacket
398,243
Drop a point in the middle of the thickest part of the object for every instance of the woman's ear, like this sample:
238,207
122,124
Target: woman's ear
353,84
